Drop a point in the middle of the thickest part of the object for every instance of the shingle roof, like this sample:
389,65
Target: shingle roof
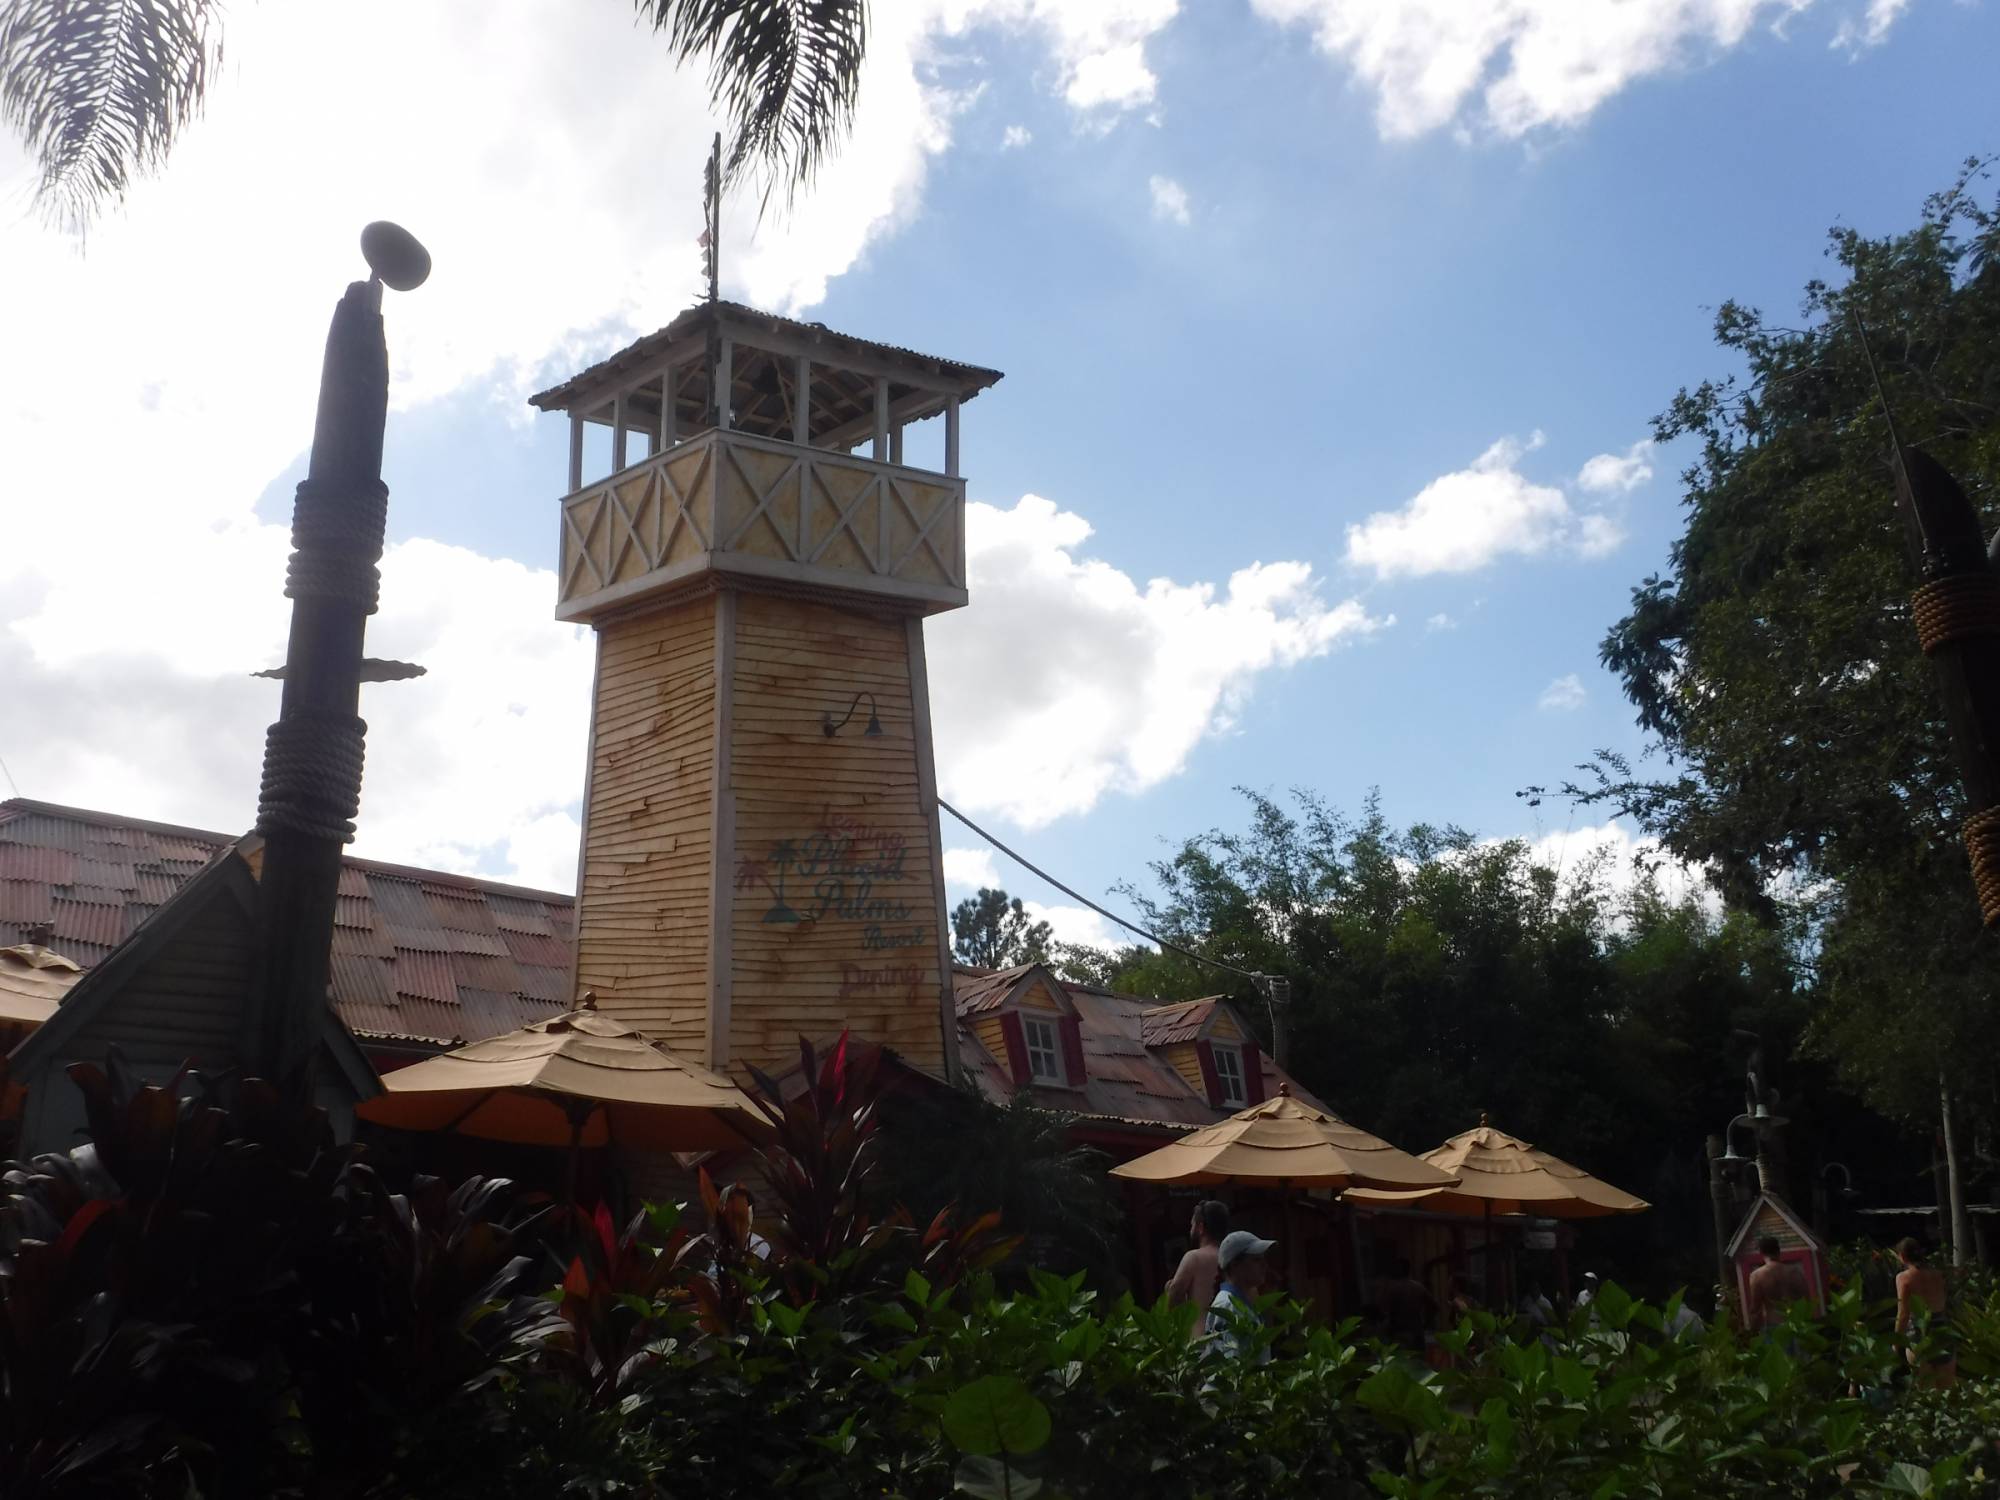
417,955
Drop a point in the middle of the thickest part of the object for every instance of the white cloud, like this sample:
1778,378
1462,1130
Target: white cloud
1464,520
1563,694
1079,924
1099,46
1440,622
1871,29
1618,473
1015,137
1512,67
1620,858
1170,199
968,870
1066,680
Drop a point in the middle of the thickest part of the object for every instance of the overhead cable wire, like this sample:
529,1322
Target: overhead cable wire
1260,980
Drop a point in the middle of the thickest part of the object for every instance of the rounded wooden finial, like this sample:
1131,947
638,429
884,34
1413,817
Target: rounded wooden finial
396,256
1284,1089
586,1001
1485,1120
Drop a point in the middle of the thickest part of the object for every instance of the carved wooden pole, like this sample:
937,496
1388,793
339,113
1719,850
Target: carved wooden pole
1957,614
311,787
1723,1210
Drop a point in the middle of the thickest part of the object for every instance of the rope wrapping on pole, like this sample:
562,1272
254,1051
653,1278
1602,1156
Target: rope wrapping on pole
312,776
1963,607
337,541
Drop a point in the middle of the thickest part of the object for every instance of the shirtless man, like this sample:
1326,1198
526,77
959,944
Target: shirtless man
1774,1286
1196,1277
1916,1283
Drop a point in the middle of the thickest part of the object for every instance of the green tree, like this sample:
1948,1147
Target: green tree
1776,666
994,931
100,90
1434,975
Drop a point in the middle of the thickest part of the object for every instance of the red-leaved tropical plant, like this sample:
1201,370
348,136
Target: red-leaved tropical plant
823,1152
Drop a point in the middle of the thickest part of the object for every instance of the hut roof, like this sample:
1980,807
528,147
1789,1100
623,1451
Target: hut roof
844,372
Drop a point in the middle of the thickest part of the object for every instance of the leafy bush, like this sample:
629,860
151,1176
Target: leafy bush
209,1302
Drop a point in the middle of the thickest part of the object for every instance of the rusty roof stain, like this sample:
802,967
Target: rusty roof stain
981,990
1164,1025
418,955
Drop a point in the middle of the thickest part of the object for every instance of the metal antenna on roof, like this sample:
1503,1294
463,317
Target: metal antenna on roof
711,218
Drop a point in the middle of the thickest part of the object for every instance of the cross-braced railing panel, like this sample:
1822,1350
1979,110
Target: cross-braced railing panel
728,502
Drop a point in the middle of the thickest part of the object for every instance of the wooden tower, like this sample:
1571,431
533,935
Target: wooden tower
761,858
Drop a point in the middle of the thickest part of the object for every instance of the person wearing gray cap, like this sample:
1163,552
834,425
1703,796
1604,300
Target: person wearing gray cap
1233,1313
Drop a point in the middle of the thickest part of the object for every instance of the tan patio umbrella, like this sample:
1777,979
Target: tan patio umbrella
33,981
576,1080
1499,1174
1284,1143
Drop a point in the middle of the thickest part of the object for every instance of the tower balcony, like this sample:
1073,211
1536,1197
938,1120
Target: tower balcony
775,457
728,504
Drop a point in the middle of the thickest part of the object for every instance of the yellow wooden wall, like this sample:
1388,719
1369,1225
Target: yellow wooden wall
1188,1065
1222,1027
992,1035
1039,997
642,929
835,917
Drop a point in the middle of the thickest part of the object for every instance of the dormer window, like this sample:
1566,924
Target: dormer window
1229,1077
1045,1064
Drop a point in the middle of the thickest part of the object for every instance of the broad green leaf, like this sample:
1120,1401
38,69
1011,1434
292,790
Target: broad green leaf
990,1479
1393,1393
996,1414
1572,1379
1906,1479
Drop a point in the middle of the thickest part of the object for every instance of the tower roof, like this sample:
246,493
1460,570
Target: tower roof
845,370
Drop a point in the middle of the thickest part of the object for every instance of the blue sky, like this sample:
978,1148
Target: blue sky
1354,310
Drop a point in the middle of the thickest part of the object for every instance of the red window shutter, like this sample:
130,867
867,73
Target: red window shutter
1253,1074
1072,1045
1017,1048
1205,1054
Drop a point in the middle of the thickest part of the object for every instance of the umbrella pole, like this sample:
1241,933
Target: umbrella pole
578,1113
1486,1251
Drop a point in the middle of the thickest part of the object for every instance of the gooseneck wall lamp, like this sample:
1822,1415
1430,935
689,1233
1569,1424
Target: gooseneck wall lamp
830,726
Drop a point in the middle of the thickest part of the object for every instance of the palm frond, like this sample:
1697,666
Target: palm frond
99,89
786,73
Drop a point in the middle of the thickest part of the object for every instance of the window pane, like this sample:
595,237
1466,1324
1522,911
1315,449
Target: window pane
1044,1062
1229,1073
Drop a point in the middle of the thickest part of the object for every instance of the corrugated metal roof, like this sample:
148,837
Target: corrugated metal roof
1164,1025
97,877
985,990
